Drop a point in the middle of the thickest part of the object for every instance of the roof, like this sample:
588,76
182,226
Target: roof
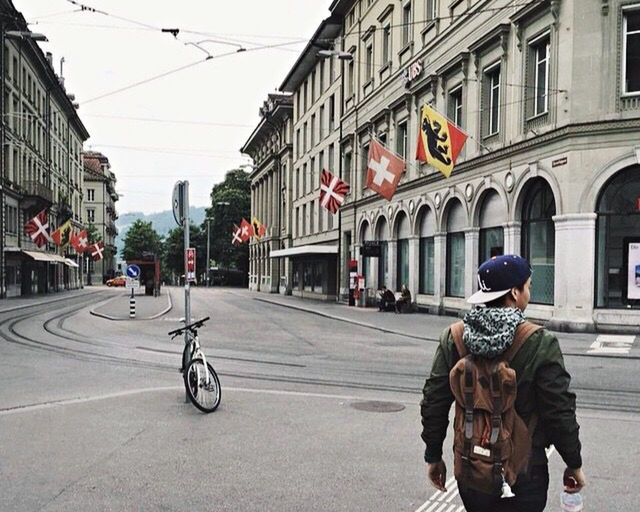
340,7
277,107
328,30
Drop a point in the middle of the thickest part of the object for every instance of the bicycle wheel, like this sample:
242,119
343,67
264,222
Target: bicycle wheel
205,397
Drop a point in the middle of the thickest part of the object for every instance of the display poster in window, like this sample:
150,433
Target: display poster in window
633,271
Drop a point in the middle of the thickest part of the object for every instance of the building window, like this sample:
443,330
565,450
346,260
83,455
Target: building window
318,272
332,112
304,219
320,164
313,86
427,265
631,52
307,276
304,179
312,217
297,183
454,110
306,96
91,194
347,168
403,263
432,7
12,220
368,71
455,264
321,132
321,85
91,215
491,101
330,159
350,79
312,135
386,44
538,239
383,263
304,138
406,23
402,139
298,143
538,77
351,18
312,175
491,244
364,165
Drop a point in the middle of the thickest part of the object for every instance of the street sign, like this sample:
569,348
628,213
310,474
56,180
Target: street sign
131,283
177,202
133,271
371,249
190,257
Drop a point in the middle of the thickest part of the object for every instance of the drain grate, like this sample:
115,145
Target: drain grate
377,406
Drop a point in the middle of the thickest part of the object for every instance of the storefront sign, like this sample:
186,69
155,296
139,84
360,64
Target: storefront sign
633,271
559,161
412,72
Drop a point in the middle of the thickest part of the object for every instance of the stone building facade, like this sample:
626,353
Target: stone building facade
271,148
549,93
100,198
42,139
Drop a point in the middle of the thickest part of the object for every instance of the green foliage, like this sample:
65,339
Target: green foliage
93,234
141,238
235,190
174,249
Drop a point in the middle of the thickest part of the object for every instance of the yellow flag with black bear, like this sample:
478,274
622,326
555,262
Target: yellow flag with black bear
259,229
61,235
439,141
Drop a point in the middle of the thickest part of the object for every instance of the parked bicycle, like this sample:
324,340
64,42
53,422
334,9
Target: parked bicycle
200,379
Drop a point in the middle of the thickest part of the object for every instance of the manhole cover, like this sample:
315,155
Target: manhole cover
377,406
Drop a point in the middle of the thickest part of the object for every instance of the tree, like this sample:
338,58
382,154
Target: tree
92,234
141,238
174,249
235,190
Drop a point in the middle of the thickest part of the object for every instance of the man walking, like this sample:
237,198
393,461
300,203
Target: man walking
493,335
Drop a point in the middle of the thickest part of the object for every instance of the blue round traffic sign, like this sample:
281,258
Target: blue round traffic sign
133,271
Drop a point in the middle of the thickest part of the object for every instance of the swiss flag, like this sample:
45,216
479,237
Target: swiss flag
80,241
384,170
246,230
237,235
332,191
97,251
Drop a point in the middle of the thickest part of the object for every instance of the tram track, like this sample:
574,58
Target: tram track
618,400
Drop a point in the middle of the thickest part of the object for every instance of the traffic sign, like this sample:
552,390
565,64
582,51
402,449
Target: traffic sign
131,283
178,202
133,271
190,258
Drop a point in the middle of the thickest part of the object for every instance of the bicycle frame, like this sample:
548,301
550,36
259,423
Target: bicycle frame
196,352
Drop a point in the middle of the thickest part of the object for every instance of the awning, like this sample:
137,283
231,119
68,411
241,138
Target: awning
58,259
71,263
40,256
304,249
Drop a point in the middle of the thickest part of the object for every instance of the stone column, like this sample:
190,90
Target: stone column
439,265
512,237
392,258
575,265
471,255
414,266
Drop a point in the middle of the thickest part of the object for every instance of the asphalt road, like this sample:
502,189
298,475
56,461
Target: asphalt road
316,414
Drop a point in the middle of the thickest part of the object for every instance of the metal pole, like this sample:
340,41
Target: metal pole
340,157
208,258
185,223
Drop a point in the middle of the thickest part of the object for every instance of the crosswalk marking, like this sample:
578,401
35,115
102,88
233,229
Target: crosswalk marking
441,501
611,344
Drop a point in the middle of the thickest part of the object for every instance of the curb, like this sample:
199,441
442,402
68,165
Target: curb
119,318
348,320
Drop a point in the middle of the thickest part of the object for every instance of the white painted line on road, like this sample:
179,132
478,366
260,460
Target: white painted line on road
120,394
440,498
611,344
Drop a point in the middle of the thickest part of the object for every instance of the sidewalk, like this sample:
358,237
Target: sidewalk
17,303
147,307
420,326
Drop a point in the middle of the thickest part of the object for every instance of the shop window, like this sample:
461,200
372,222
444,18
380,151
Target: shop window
383,264
631,51
403,263
317,276
307,273
455,264
491,244
427,284
538,239
618,227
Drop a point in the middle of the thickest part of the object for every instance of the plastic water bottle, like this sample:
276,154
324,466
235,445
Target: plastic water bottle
570,502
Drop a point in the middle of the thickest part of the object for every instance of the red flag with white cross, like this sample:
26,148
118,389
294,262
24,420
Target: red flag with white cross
384,170
237,238
38,229
246,230
80,241
332,191
97,251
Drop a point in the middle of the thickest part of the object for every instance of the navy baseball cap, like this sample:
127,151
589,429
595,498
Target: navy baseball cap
497,276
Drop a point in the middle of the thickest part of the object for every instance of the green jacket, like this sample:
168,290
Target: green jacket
543,387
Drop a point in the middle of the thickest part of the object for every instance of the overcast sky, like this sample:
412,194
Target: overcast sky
202,114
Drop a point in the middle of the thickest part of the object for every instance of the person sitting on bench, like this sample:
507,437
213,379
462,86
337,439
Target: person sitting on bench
387,300
404,302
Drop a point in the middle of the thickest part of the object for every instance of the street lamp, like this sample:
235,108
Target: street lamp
208,219
22,35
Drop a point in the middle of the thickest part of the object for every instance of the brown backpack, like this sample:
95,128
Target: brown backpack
491,443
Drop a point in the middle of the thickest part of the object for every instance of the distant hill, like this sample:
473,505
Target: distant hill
162,222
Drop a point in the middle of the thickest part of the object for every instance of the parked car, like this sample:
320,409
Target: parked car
117,281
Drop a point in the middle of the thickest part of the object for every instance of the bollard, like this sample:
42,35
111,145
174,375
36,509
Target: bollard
132,305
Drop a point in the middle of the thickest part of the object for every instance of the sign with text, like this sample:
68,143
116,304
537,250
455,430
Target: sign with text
370,249
190,264
131,283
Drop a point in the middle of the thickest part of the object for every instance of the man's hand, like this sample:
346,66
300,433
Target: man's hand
574,480
437,474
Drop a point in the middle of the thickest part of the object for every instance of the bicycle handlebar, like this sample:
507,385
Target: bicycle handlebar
191,327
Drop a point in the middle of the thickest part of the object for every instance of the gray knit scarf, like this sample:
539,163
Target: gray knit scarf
488,332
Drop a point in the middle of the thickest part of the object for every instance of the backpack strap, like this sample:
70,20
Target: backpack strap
457,330
523,332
